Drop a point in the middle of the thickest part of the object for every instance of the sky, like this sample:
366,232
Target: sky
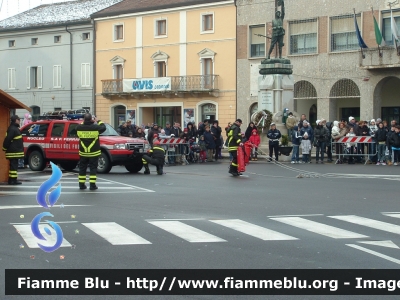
10,8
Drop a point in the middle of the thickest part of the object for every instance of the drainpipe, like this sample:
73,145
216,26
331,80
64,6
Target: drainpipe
94,67
236,92
70,64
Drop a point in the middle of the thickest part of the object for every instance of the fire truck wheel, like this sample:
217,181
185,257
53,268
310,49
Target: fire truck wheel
134,167
36,161
104,166
68,165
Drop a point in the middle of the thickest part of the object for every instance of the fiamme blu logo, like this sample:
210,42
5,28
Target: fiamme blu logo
48,203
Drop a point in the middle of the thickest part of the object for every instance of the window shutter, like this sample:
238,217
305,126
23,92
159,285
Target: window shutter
9,78
13,80
87,75
54,76
39,78
28,77
59,76
82,73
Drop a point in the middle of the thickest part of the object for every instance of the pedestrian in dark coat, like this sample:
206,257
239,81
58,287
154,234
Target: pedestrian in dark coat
191,132
210,143
216,132
274,135
249,130
381,140
153,131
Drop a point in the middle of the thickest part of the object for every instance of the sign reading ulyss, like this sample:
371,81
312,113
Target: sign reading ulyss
52,199
147,84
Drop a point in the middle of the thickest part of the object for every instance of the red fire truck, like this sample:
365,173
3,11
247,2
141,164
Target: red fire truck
57,141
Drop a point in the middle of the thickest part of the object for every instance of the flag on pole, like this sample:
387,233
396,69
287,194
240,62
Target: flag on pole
395,30
359,37
378,35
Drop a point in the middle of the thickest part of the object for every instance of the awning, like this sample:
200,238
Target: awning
10,102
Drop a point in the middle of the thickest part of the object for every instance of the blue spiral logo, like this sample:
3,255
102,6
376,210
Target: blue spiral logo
47,185
52,199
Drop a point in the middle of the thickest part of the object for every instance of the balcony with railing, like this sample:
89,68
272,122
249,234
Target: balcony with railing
387,57
177,85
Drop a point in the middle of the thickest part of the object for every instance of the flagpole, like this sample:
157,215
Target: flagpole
379,49
391,16
362,52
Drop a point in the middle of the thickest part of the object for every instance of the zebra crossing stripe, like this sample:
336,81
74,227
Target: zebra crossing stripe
116,234
254,230
319,228
187,232
393,215
32,242
369,223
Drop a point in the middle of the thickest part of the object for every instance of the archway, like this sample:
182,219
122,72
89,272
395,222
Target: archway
207,110
386,98
313,114
253,109
305,97
118,115
344,99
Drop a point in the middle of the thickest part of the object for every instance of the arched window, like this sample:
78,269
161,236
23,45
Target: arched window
160,61
345,88
253,109
207,57
208,112
119,115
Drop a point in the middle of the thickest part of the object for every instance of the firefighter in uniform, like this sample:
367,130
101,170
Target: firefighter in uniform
89,149
14,148
156,157
234,141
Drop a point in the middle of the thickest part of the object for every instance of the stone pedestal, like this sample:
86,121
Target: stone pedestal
275,93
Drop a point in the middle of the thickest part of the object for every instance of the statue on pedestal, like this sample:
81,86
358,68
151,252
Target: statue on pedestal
278,32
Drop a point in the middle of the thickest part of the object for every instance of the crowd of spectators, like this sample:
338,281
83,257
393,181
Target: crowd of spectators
208,139
207,136
383,150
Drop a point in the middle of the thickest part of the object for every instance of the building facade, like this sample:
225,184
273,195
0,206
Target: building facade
168,61
333,78
47,56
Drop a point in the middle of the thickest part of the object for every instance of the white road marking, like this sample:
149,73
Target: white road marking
319,228
389,258
388,243
32,242
17,193
369,223
393,215
75,183
48,176
310,215
131,186
363,175
71,187
194,219
116,234
33,206
254,230
61,222
187,232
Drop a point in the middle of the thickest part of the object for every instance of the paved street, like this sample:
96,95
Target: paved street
198,216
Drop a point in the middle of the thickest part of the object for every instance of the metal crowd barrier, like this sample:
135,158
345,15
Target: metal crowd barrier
175,148
358,140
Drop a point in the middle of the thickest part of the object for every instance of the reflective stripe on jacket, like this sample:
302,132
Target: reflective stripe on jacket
13,144
234,137
89,143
